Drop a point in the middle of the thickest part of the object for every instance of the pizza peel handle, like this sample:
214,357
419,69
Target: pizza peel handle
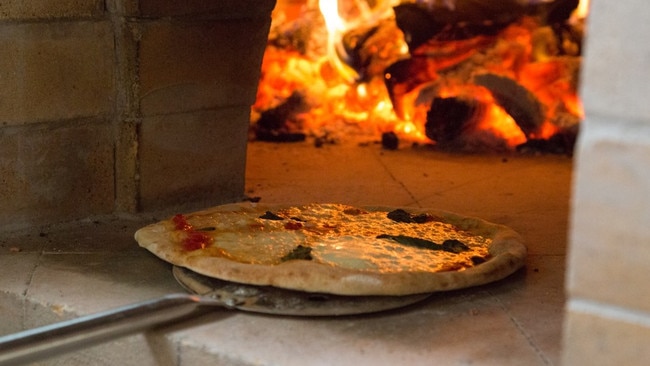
52,340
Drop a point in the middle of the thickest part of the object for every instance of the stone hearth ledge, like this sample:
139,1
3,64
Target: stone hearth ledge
65,271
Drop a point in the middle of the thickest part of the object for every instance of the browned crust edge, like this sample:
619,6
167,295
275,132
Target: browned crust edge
508,254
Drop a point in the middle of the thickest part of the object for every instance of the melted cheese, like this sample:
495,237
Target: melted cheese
337,238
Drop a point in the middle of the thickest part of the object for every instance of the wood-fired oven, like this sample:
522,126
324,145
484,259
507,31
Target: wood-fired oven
117,113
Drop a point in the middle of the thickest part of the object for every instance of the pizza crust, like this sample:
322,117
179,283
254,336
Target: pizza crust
507,254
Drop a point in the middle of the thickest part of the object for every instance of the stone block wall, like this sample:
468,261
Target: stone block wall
124,105
607,320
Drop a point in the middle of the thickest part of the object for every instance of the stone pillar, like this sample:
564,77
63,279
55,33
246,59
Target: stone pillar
607,320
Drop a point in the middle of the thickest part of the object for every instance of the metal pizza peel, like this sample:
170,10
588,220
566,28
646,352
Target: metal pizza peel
205,293
278,301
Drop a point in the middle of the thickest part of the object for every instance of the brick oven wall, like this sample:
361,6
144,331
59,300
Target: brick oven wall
607,321
124,105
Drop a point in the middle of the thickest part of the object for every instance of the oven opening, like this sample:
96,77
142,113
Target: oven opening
455,75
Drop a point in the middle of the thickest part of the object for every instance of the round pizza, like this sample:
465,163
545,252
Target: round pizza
337,248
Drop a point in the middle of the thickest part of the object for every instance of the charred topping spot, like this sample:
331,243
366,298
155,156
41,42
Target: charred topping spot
294,218
400,215
299,252
476,260
454,246
412,241
451,246
268,215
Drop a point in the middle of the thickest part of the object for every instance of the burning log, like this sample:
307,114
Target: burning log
404,76
389,140
462,19
507,48
516,100
430,64
449,119
304,34
280,124
371,50
559,11
561,143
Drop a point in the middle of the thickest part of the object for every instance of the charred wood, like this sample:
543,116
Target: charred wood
305,34
561,143
389,140
371,50
433,62
404,76
280,124
279,136
417,24
556,14
468,18
449,118
522,105
354,43
558,11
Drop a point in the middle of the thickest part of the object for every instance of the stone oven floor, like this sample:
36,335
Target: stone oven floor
60,272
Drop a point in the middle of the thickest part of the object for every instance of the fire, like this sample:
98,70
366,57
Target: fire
335,28
360,74
581,11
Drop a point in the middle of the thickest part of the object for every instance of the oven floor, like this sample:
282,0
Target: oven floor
60,272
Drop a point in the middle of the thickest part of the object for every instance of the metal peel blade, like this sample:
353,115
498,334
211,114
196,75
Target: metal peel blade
273,300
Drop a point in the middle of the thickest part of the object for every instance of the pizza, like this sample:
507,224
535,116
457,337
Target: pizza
337,248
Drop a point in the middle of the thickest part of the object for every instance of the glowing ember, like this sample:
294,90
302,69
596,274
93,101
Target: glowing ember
350,71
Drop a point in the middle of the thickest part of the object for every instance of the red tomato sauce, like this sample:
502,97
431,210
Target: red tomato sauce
194,240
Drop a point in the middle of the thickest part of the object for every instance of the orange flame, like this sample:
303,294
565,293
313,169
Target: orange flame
582,11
